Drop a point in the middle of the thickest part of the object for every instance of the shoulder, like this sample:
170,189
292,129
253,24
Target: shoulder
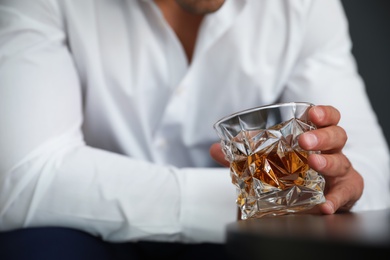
296,7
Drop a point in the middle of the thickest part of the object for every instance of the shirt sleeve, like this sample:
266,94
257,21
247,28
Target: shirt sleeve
327,73
50,177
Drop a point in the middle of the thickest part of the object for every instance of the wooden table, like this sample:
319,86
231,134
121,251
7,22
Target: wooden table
338,236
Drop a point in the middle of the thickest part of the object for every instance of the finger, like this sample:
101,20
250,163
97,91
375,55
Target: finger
330,165
217,154
331,138
324,115
341,197
327,208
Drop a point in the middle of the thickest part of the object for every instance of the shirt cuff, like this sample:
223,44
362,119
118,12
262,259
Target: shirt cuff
208,204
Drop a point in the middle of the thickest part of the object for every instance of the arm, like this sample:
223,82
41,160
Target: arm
355,157
50,177
326,72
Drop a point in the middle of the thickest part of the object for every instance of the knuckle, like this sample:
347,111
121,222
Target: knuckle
346,164
338,163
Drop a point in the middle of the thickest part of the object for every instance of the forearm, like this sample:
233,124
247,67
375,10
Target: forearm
116,197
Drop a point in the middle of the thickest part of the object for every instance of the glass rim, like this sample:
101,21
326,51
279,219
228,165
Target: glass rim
248,110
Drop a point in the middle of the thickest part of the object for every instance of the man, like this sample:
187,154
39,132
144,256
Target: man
107,110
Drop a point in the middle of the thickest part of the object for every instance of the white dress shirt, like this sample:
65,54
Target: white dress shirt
105,126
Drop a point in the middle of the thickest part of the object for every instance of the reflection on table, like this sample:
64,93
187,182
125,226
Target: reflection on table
304,236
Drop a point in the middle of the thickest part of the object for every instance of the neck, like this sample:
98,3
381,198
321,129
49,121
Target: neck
184,24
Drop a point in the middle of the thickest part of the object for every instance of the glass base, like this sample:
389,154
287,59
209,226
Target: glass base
293,200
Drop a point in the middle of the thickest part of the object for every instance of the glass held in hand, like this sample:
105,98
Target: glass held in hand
267,165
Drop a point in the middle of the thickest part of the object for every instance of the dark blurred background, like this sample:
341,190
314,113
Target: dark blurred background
370,32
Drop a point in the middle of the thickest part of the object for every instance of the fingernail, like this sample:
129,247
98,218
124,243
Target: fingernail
330,207
321,162
311,140
319,113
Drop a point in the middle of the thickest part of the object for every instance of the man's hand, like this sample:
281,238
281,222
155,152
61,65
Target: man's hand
344,185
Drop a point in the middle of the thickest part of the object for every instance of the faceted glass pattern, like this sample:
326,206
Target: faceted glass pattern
267,166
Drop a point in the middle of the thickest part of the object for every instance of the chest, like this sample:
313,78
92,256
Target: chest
131,54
